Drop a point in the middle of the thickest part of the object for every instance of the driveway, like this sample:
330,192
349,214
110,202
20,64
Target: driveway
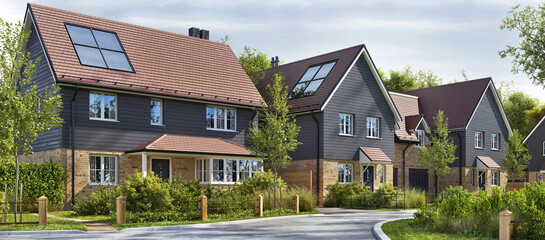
333,224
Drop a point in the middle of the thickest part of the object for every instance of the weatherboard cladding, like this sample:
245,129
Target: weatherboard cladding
308,136
535,148
164,62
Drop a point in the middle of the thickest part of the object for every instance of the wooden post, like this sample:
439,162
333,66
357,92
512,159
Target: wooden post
121,210
259,206
203,207
506,228
42,211
296,203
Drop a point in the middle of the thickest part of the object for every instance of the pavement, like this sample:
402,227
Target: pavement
331,224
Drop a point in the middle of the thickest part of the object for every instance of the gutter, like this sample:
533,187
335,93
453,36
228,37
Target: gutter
72,138
317,157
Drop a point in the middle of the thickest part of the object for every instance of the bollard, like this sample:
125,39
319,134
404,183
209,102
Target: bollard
42,211
259,206
296,203
203,207
506,228
121,210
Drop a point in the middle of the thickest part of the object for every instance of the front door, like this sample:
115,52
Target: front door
368,176
161,168
482,180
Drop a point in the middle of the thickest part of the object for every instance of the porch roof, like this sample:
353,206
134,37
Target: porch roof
196,145
373,155
484,162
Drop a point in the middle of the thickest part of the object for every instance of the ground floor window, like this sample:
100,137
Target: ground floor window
539,177
103,169
346,173
495,178
226,170
382,174
482,180
472,175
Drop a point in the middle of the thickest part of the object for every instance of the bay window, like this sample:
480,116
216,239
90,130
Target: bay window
226,170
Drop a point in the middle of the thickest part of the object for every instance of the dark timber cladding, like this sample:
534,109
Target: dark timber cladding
535,146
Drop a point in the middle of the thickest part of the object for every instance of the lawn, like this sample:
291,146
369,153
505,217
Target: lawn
53,224
401,230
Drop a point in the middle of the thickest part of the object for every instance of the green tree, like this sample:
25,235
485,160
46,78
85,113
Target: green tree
406,79
515,107
254,62
516,159
440,151
533,117
27,111
277,133
528,55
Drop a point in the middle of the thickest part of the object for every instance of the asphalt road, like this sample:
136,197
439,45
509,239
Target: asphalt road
334,224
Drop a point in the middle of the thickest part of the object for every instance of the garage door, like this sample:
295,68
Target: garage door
418,178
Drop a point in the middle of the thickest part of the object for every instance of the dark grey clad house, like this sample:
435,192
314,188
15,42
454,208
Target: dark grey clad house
347,119
535,142
140,99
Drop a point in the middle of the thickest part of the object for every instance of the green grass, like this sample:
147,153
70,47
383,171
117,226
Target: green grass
72,214
52,224
401,230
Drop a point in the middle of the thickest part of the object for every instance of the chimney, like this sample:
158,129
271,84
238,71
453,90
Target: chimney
199,33
204,34
276,61
272,62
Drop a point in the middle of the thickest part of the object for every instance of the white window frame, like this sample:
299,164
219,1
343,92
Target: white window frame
539,177
543,148
344,125
421,135
162,106
102,182
344,181
102,118
382,174
369,129
495,178
209,173
224,119
495,141
169,166
479,142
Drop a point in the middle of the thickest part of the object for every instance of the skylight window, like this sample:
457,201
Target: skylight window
98,48
311,80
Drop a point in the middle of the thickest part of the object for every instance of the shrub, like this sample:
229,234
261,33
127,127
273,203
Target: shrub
384,196
259,183
100,202
414,198
456,203
361,200
424,217
339,192
146,193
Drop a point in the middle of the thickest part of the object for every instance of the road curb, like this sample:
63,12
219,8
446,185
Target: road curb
7,233
377,230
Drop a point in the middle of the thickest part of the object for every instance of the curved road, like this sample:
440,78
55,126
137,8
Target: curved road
332,224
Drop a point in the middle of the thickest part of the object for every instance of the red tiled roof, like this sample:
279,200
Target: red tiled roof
457,100
489,162
164,62
407,106
375,154
197,145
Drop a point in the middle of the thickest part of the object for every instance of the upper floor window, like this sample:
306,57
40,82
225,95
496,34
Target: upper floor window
495,141
156,112
311,80
373,127
421,137
98,48
346,124
221,118
103,169
479,139
102,106
346,173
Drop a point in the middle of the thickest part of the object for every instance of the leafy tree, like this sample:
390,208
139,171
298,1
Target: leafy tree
505,89
224,39
440,152
515,107
528,55
27,112
277,133
516,159
254,62
533,116
405,80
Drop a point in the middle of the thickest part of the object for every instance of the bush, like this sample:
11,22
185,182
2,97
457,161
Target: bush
339,192
259,183
384,196
100,202
424,217
146,193
414,198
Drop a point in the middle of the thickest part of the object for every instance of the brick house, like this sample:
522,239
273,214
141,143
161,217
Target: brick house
140,99
347,119
535,142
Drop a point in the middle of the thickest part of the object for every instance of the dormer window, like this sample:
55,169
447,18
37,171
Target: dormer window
311,80
98,48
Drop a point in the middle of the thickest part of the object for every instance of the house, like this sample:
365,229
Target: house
535,142
477,124
347,119
140,99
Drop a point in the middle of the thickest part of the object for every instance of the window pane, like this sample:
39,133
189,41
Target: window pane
210,117
341,173
309,74
81,35
220,123
109,107
348,173
218,170
95,105
116,60
298,91
156,112
349,124
324,70
244,166
206,170
90,56
312,87
107,40
231,119
256,166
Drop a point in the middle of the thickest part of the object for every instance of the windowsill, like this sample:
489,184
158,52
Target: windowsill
104,120
377,138
103,184
481,148
344,182
497,150
158,125
221,130
347,135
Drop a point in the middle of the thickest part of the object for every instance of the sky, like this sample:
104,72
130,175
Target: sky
445,37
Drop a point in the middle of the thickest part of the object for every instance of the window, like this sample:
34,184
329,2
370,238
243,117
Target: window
479,139
421,137
102,106
311,80
472,176
346,173
539,178
495,178
218,118
156,112
495,139
98,48
373,127
346,124
226,170
382,174
543,148
103,170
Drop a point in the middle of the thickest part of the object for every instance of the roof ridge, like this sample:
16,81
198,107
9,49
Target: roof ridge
300,60
448,84
125,23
